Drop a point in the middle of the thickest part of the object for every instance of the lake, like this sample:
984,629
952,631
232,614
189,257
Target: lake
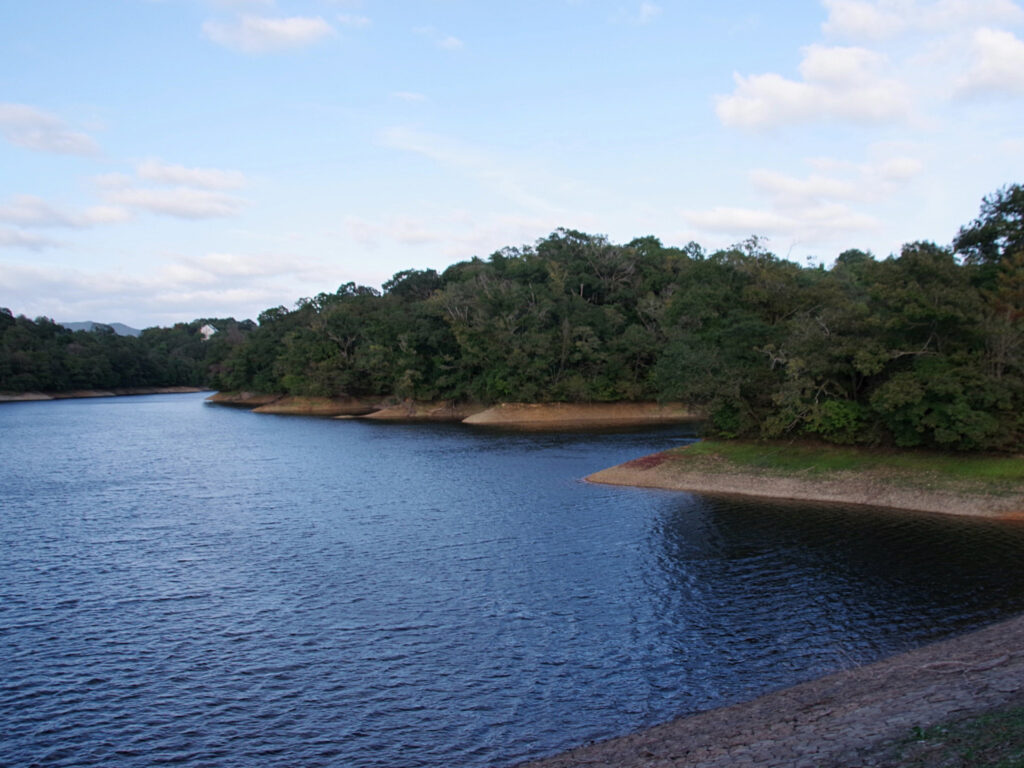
198,585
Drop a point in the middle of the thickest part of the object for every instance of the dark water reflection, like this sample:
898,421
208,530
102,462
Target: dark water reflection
181,583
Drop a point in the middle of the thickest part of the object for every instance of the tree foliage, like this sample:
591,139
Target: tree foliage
920,349
40,355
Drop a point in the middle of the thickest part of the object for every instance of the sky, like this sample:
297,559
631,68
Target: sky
166,160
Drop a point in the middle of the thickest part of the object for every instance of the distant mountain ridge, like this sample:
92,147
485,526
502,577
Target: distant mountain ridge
88,325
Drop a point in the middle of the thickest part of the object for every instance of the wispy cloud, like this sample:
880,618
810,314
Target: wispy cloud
814,209
453,236
16,238
410,96
878,19
439,39
172,287
498,175
262,34
33,211
32,128
179,202
175,190
353,21
206,178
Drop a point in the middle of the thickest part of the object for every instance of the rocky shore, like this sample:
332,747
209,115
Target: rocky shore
856,717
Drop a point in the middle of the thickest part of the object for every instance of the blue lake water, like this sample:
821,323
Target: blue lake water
197,585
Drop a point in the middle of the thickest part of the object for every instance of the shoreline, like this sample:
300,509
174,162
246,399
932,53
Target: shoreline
527,416
855,716
860,716
29,397
674,471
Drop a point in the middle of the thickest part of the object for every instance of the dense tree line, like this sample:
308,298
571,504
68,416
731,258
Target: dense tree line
40,355
924,348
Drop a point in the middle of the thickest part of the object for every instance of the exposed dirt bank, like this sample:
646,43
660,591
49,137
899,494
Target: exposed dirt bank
242,399
319,406
673,471
851,718
261,402
118,392
576,415
418,410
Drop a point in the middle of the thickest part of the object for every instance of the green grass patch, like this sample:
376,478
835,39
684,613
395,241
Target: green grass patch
995,740
984,472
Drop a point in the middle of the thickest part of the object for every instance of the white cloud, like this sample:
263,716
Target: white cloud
440,40
178,288
818,209
353,22
205,178
860,19
410,96
501,176
647,13
878,19
456,235
740,221
843,67
180,191
16,238
813,224
898,169
997,63
32,211
261,34
179,202
33,128
790,191
838,83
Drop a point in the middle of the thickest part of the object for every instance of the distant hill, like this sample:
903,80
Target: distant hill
119,328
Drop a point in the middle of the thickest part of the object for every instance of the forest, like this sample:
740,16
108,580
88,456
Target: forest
922,349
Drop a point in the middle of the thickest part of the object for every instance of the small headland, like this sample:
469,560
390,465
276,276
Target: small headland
22,397
958,484
558,416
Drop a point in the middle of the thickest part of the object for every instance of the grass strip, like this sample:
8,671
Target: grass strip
993,740
995,474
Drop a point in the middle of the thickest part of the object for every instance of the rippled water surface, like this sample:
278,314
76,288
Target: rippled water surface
182,583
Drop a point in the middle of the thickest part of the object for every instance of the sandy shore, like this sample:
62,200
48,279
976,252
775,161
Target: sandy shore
851,718
669,471
20,397
577,415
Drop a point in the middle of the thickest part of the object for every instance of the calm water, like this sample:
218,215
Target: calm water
182,583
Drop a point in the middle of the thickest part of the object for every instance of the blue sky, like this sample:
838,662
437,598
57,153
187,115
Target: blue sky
162,160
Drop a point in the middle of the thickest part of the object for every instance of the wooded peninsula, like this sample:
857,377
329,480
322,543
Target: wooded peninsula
921,349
